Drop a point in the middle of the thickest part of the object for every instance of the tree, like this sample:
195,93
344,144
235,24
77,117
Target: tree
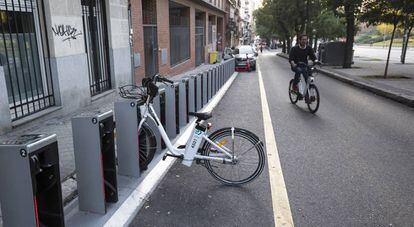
328,26
384,11
408,24
286,19
264,22
349,9
275,19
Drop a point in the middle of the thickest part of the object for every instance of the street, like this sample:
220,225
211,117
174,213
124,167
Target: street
380,53
350,164
78,79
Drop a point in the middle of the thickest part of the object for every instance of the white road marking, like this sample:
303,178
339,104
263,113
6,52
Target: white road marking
280,201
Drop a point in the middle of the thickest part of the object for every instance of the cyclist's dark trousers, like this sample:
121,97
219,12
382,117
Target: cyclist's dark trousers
299,70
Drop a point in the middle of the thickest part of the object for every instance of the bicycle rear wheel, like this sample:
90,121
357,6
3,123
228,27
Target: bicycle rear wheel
293,95
249,153
147,146
313,98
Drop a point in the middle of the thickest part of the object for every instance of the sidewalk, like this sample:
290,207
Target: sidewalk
60,124
367,73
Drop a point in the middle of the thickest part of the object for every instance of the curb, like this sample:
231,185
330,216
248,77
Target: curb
401,98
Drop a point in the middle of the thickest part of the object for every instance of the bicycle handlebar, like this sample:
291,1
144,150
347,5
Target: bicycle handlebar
163,79
314,63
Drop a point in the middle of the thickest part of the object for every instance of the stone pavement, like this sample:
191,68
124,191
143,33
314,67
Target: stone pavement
367,73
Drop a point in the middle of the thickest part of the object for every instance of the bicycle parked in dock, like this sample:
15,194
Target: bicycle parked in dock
231,155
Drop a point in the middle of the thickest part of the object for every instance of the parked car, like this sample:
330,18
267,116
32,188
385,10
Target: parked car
228,53
245,58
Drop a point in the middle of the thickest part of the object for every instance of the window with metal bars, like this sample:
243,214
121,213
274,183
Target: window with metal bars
24,57
97,47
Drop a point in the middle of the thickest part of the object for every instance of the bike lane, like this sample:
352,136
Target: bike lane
191,197
350,164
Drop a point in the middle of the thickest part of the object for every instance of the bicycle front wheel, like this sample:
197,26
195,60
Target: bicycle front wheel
313,98
147,146
293,95
247,149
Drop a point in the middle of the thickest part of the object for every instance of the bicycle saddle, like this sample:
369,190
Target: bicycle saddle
201,116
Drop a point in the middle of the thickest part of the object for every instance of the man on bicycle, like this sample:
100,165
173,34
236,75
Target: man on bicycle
300,53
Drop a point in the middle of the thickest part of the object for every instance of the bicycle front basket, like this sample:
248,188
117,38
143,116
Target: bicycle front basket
133,92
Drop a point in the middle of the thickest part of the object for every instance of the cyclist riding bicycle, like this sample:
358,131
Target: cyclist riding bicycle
300,53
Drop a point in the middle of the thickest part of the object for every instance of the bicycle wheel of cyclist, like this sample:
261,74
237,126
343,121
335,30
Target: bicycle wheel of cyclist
313,98
293,95
147,146
248,149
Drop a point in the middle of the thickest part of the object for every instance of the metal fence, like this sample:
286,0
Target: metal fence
23,58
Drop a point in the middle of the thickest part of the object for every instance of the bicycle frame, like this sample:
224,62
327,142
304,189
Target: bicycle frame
308,82
189,153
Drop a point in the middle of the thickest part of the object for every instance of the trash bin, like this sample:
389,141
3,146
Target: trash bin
332,53
213,57
321,53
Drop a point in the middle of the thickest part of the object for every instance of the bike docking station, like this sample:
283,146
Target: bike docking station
204,80
112,189
209,83
183,105
127,116
198,92
30,188
217,79
170,111
95,161
190,99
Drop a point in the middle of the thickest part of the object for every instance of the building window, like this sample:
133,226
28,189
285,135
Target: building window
97,46
210,30
179,33
24,58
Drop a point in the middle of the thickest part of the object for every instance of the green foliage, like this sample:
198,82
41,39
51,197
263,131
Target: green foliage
328,26
376,12
274,19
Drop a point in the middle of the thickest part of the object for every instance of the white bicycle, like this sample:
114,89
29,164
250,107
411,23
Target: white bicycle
307,88
233,156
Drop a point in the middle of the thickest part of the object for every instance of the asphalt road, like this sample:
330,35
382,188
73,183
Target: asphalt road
350,164
382,53
192,197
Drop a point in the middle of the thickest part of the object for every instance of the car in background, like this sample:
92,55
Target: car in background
245,58
228,53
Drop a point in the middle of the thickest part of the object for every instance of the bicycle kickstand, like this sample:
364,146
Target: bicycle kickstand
172,155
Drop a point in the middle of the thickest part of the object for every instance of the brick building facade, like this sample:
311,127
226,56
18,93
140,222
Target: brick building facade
174,36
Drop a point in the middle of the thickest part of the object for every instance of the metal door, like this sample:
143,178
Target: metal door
150,50
199,45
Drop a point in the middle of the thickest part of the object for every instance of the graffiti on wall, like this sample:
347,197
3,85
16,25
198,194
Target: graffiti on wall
68,32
